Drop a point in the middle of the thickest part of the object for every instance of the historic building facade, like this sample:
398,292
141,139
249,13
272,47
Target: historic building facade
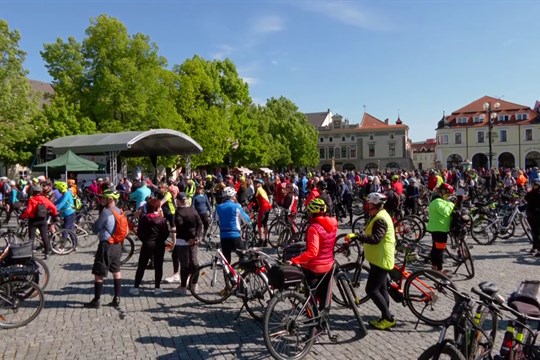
424,154
515,135
373,144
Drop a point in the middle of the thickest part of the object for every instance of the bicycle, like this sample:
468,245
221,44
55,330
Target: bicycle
293,321
216,281
474,335
458,249
420,290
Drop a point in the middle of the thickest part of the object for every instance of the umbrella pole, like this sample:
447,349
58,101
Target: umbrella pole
47,172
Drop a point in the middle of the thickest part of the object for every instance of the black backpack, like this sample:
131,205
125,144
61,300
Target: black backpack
41,212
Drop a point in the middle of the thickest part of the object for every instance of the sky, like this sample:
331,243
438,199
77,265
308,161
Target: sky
412,59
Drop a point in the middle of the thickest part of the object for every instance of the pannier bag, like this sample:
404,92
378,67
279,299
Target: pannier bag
20,251
293,250
284,276
526,299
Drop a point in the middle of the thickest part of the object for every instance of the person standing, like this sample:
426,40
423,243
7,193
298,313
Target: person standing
37,217
189,230
66,206
379,249
108,255
440,213
264,206
533,215
201,204
152,231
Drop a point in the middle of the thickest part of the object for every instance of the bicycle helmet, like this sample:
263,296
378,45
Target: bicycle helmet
395,177
229,192
61,186
316,206
447,188
109,194
370,178
36,189
71,182
376,198
386,182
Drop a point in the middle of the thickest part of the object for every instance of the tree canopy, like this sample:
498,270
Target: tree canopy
114,81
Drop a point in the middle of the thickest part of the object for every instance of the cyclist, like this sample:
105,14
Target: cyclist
65,205
264,207
108,255
318,259
440,213
230,216
533,215
379,250
323,193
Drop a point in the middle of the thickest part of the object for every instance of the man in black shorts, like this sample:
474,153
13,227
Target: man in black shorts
107,255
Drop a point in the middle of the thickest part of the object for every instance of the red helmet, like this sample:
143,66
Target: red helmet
449,189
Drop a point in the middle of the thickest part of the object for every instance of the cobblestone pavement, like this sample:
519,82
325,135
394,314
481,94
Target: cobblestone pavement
171,326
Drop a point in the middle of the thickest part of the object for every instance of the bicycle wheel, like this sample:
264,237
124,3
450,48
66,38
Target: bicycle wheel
289,326
63,242
358,224
408,229
255,293
273,233
427,299
285,238
526,228
357,275
85,237
466,258
128,249
346,290
17,306
483,231
212,288
43,274
448,351
422,223
482,340
452,247
508,232
346,251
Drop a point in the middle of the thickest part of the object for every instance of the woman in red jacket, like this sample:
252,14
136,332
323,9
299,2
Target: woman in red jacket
318,258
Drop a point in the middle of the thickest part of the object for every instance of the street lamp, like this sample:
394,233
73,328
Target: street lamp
491,115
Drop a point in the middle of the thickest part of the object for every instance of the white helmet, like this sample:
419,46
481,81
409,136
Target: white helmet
376,198
229,192
370,178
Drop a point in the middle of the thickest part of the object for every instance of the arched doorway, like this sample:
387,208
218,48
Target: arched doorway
392,166
532,159
479,161
507,160
348,167
372,167
453,161
326,168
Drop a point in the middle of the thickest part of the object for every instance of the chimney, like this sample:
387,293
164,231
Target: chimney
386,121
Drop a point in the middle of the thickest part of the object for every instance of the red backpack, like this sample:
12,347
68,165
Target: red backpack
121,229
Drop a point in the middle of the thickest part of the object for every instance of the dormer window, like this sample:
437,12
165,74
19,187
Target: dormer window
478,119
337,124
371,137
504,117
461,120
391,136
521,117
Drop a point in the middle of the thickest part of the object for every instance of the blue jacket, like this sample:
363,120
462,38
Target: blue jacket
201,203
230,216
65,204
140,195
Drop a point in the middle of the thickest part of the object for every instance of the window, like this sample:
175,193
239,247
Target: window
528,134
478,119
371,150
457,138
321,139
322,153
343,138
502,136
371,136
330,153
391,149
352,138
352,152
445,139
330,139
480,137
521,117
337,153
343,152
461,120
504,117
391,136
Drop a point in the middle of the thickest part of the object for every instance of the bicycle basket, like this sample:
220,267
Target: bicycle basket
20,251
284,276
526,299
293,250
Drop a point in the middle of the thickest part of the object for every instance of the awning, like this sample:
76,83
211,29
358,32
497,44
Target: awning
266,170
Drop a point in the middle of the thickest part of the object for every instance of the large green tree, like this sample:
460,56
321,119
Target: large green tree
18,103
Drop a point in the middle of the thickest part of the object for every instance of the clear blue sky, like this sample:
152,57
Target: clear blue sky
418,58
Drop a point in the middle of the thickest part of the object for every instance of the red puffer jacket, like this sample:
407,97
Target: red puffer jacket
321,236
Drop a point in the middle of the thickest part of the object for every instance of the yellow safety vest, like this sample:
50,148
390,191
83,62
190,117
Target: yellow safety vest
381,254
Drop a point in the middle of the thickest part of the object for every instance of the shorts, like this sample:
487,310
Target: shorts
108,257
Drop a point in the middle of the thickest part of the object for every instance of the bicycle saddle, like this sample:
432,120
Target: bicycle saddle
488,288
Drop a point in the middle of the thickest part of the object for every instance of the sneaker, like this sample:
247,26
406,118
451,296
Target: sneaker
180,290
383,324
134,291
158,291
94,304
172,279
